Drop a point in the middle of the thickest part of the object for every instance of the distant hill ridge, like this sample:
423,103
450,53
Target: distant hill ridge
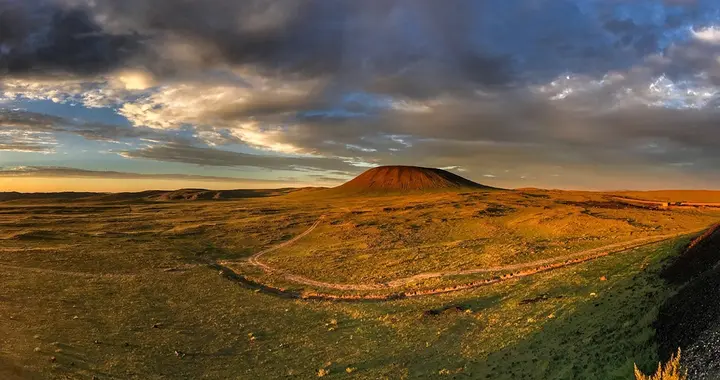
148,196
14,195
407,178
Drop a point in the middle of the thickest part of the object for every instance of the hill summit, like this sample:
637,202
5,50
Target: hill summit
407,178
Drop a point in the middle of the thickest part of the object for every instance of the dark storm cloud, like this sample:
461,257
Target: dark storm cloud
461,83
394,43
41,37
44,36
304,36
520,129
414,48
510,119
223,158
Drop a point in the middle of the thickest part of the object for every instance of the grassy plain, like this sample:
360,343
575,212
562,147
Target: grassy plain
120,289
367,240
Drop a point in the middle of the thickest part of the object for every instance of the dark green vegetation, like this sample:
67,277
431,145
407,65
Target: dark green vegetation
122,289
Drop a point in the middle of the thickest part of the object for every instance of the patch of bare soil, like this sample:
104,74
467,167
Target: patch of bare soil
446,310
537,299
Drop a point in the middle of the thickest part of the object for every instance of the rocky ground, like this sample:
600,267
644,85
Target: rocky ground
702,357
691,319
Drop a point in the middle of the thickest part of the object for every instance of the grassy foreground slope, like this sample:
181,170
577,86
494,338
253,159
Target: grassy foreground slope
119,290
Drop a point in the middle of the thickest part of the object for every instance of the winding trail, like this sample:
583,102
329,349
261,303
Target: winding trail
255,259
517,270
588,254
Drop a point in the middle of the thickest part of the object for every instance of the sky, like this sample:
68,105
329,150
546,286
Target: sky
107,95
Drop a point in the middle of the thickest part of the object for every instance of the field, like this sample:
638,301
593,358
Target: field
130,288
698,196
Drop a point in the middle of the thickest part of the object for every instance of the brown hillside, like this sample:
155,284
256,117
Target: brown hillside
407,178
202,194
145,196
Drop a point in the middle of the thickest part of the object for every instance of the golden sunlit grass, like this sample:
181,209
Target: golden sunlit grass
370,240
122,289
670,371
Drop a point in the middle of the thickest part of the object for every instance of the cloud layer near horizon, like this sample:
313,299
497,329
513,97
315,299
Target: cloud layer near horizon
511,93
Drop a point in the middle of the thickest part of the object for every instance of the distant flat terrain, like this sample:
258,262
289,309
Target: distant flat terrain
152,195
125,286
696,196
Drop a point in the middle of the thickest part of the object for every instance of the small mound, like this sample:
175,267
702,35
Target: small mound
187,195
407,178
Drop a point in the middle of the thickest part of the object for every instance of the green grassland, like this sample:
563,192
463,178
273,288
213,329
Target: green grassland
121,290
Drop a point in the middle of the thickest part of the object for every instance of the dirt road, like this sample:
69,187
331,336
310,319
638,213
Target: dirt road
518,270
255,259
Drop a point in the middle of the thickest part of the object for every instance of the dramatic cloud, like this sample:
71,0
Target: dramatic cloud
23,123
710,34
94,92
519,90
46,37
